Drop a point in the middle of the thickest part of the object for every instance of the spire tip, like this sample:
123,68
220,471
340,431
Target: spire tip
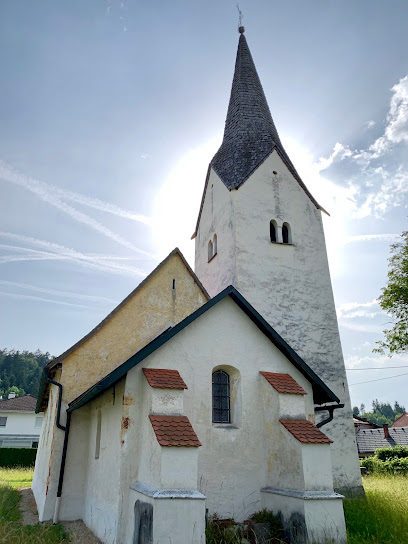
241,29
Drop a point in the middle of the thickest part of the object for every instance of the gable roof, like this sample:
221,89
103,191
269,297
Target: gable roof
164,378
44,386
174,431
26,403
401,421
321,393
305,431
369,440
283,383
250,134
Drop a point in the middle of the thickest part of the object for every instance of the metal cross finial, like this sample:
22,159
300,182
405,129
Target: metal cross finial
241,29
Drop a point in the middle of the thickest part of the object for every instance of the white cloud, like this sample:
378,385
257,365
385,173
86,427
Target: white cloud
370,124
380,361
368,237
377,176
353,310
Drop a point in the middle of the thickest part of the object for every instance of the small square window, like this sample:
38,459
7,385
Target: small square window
3,421
38,422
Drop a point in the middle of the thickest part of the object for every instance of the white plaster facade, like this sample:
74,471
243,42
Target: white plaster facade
231,474
19,428
288,284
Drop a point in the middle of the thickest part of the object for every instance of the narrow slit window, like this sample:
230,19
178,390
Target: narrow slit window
286,234
210,250
215,245
272,231
221,397
98,435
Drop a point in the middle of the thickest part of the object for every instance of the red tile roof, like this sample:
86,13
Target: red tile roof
26,403
304,431
174,431
164,379
402,421
283,383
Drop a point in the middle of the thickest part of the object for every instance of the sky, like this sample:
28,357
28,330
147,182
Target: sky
111,111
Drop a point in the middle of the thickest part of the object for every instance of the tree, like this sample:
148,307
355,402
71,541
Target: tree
356,411
394,300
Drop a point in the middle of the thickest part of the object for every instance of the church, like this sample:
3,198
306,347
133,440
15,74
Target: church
219,391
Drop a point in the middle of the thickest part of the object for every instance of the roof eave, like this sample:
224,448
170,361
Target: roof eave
321,393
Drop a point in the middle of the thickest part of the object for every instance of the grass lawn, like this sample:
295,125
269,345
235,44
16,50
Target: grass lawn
11,529
16,477
381,518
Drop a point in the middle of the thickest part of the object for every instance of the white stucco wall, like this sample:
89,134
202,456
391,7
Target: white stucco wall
233,460
288,284
101,496
48,460
20,423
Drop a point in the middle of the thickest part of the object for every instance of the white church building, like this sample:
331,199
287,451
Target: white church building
216,392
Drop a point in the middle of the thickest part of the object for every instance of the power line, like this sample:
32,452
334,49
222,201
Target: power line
378,367
380,379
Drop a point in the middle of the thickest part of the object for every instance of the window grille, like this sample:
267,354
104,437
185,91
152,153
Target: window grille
221,397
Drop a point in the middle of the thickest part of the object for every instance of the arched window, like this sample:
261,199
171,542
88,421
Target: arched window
210,250
273,229
221,397
215,245
286,234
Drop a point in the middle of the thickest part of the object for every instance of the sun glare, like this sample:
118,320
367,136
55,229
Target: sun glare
176,206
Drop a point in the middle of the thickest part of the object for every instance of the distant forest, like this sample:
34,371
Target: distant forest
20,371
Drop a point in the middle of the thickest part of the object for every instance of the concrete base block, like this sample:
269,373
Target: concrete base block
161,516
308,516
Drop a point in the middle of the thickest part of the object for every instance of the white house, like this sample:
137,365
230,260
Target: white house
20,426
208,390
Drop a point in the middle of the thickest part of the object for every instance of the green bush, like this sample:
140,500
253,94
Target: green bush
17,457
385,454
387,461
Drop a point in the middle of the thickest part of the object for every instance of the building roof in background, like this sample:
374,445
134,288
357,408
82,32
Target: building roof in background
26,403
402,421
369,440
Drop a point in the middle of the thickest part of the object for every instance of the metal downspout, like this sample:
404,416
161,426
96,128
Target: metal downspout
62,469
59,402
330,409
64,448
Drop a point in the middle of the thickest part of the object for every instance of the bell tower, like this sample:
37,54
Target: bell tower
260,229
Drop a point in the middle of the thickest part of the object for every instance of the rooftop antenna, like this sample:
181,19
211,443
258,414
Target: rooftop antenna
241,29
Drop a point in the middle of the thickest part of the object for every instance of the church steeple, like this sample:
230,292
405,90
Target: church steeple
250,134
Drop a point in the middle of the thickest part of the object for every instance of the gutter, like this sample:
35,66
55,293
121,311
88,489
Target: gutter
330,409
64,448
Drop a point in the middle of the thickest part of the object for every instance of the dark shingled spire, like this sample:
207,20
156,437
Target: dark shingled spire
250,134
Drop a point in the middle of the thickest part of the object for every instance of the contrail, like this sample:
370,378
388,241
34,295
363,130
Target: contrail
30,297
66,294
53,195
55,251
